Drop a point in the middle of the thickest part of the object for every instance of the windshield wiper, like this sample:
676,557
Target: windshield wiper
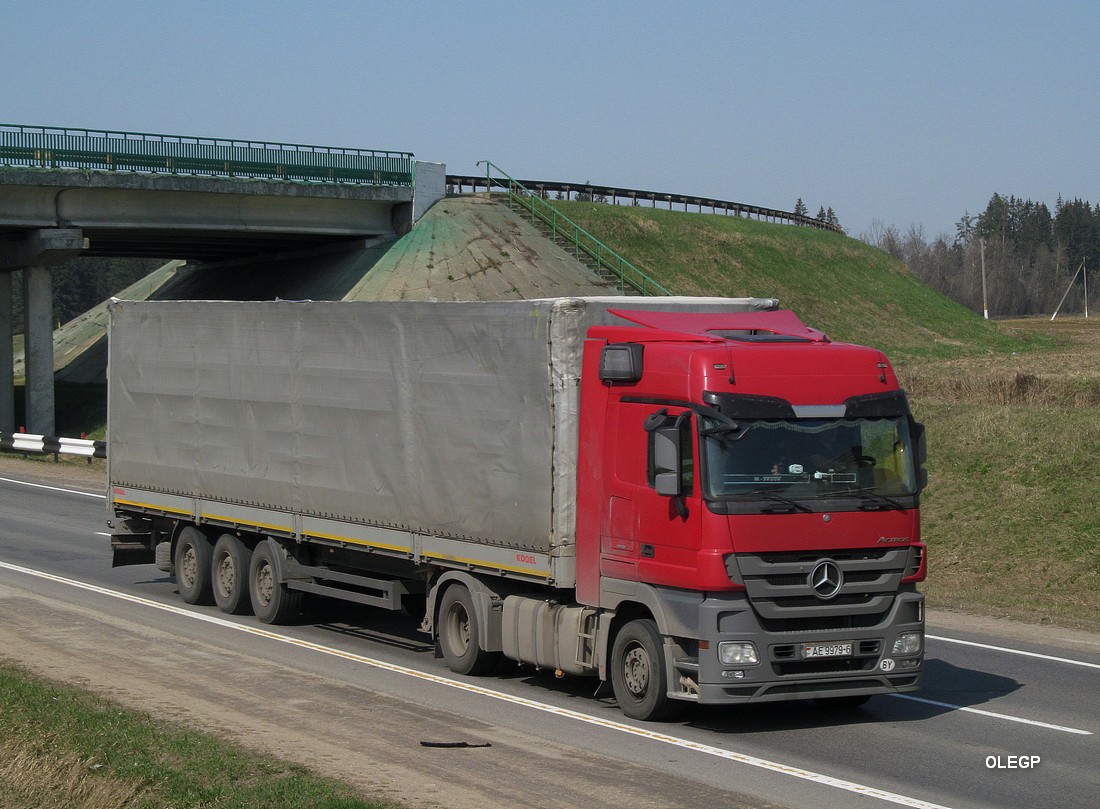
873,501
783,505
724,431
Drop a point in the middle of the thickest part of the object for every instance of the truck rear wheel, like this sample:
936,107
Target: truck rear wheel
638,675
192,563
459,637
273,602
229,575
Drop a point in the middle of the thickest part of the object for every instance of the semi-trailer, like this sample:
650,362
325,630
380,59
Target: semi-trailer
698,499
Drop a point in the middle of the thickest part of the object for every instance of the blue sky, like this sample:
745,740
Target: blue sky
904,113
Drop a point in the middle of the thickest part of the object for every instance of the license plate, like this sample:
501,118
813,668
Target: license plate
827,649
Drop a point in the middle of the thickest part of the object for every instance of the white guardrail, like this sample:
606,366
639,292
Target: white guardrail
52,445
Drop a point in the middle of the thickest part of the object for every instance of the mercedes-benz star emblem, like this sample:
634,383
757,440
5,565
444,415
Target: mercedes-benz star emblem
826,580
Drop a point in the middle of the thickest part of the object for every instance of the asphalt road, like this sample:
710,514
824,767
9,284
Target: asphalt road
355,691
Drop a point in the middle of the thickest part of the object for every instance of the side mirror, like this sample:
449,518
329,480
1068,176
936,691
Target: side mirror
921,443
668,457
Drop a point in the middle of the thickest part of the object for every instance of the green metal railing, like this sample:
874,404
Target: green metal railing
54,147
561,225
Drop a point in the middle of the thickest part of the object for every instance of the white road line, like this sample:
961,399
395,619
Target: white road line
994,715
729,755
53,488
1016,651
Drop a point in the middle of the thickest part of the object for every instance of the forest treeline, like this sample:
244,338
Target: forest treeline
1031,255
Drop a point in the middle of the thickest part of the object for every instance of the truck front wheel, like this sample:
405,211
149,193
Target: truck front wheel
272,601
459,638
638,675
192,563
229,575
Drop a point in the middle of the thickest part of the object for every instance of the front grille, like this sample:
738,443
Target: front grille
779,588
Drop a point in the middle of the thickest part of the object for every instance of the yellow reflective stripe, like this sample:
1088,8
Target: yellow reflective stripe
490,565
152,506
352,541
235,521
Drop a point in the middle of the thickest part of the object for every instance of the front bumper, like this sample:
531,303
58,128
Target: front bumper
782,673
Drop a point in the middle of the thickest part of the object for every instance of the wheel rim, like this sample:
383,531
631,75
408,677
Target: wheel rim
636,669
458,630
226,578
265,584
189,566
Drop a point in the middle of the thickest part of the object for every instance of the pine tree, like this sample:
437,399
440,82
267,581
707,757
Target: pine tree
800,208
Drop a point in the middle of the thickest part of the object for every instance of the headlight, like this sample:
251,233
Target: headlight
732,653
908,643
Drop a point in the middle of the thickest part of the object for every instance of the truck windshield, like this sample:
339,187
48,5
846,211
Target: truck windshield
867,460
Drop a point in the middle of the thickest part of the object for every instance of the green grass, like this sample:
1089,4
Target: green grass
63,747
1010,515
842,286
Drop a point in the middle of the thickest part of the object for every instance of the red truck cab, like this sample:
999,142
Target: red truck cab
748,512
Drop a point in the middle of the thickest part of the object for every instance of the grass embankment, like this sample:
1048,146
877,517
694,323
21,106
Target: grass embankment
63,747
1012,410
846,288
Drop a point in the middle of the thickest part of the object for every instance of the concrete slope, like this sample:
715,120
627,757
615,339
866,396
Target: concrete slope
474,249
79,346
463,248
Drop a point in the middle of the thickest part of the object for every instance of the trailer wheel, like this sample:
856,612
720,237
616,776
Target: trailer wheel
459,638
229,575
273,602
192,563
638,675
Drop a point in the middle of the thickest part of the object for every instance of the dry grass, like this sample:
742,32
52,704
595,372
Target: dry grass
43,779
1067,375
1010,513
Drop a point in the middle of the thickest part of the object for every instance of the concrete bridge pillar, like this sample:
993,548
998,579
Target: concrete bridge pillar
7,358
33,253
38,349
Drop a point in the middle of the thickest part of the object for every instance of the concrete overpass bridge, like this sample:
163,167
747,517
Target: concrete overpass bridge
70,192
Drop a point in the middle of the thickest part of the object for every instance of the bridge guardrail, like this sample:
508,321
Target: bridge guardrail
55,147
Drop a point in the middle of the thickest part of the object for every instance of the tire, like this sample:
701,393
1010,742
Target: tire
273,602
459,636
638,675
192,564
229,575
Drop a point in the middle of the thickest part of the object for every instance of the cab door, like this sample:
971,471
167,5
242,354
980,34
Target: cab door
648,535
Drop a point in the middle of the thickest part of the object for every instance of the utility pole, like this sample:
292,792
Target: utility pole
985,297
1070,287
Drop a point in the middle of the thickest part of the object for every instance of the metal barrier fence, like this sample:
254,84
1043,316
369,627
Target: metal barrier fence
52,445
636,196
582,241
55,147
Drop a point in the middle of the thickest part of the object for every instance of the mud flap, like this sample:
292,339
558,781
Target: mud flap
132,549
